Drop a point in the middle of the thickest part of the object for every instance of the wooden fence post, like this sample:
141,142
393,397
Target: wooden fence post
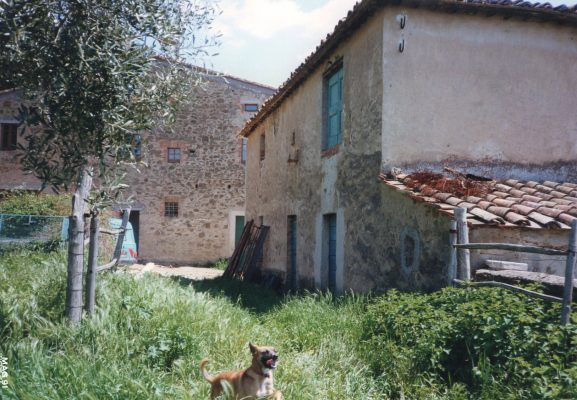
452,270
92,264
120,242
569,269
463,255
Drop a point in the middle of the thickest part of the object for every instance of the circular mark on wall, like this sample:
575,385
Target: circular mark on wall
410,250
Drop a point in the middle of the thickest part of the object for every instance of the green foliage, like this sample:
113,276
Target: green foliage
221,264
149,334
95,72
490,340
28,203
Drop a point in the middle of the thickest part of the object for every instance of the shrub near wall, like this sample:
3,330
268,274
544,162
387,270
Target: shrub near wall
498,344
31,203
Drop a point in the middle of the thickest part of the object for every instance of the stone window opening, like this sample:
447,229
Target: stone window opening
171,209
251,107
243,149
410,251
8,136
262,147
173,155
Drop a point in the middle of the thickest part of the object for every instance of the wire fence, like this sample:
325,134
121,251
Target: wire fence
25,229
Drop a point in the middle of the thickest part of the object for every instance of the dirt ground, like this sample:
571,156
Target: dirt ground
194,273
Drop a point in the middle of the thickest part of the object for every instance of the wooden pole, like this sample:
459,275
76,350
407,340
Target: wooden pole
92,264
452,270
569,271
120,241
512,288
76,248
463,255
512,247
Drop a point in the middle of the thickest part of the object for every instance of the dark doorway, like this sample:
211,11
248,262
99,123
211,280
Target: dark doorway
134,220
292,252
238,228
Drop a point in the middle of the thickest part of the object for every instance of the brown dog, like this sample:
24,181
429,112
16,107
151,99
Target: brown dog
255,382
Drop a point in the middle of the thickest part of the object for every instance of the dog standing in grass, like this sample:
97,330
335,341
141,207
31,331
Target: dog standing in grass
255,382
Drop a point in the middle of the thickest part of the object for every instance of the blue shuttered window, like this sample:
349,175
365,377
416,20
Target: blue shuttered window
334,107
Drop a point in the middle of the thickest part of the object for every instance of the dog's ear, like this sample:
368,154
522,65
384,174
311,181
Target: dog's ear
252,348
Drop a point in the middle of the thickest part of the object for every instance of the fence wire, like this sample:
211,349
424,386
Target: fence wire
24,229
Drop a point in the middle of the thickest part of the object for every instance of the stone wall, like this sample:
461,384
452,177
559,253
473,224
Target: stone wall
207,183
11,174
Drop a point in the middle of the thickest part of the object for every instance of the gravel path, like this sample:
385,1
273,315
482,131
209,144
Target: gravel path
194,273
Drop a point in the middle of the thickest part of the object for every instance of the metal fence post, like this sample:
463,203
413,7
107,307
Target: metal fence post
452,270
570,267
463,255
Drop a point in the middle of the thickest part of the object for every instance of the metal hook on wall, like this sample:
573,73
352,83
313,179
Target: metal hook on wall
403,21
402,45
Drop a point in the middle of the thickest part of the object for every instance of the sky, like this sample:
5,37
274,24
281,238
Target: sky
265,40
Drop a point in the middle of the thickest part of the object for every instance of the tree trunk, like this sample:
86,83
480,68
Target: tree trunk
92,264
76,247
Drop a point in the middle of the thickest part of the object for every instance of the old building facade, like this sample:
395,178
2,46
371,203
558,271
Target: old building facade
188,202
407,86
188,199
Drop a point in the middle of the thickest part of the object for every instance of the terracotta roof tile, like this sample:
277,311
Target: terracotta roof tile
565,189
534,199
503,188
517,193
503,202
508,203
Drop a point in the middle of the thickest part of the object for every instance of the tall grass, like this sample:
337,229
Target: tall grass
149,333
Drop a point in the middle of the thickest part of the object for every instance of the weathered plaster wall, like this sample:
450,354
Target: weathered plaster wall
208,183
11,174
316,185
553,238
484,89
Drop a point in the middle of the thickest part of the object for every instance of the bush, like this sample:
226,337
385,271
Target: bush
488,339
30,203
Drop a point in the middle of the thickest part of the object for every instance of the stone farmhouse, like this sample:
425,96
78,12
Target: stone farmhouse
407,110
188,202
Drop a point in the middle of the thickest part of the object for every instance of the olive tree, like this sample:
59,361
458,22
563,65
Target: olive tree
91,74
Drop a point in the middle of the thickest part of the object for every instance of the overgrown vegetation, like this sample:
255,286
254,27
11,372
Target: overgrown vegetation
30,203
149,333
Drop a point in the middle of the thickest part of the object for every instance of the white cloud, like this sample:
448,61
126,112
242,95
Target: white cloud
263,19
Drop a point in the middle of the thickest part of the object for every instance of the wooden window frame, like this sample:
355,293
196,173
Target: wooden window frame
171,209
173,160
334,76
250,107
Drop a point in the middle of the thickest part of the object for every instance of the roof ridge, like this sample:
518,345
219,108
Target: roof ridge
363,9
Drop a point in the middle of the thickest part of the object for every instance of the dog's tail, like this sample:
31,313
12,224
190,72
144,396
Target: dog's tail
206,375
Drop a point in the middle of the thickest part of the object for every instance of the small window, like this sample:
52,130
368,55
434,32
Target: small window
243,151
8,136
173,155
251,107
171,209
137,146
262,147
333,87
